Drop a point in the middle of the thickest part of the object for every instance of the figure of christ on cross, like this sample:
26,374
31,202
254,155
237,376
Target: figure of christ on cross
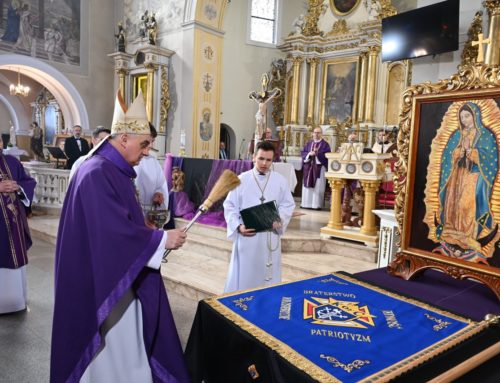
262,98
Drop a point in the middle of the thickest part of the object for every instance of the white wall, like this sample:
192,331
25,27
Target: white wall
244,64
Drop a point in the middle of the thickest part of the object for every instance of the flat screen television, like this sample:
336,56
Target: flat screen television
421,32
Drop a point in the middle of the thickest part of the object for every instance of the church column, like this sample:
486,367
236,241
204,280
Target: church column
360,115
150,91
335,221
371,83
312,86
297,61
492,51
122,78
370,188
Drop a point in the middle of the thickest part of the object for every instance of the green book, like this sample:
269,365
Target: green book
260,217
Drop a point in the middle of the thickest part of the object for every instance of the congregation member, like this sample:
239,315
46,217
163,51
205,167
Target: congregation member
256,257
98,135
150,182
16,189
314,165
75,146
223,154
112,320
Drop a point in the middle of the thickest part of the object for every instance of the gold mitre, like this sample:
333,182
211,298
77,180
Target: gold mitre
132,121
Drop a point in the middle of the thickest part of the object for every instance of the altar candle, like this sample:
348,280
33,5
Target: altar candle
183,138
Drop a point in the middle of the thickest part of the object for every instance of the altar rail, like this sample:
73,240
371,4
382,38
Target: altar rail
51,184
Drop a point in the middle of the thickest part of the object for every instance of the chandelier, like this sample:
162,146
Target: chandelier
19,89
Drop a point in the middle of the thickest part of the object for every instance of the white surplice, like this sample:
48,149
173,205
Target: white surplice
314,198
250,255
150,180
123,343
13,288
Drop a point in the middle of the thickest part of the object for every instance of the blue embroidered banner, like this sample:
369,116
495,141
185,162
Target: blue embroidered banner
343,330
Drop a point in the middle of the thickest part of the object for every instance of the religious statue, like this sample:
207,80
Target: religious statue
262,99
152,28
12,132
373,8
143,24
298,24
37,141
120,38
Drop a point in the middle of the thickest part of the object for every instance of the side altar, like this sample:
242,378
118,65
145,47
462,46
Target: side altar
351,164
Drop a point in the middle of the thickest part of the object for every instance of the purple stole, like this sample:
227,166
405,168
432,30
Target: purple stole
312,170
14,246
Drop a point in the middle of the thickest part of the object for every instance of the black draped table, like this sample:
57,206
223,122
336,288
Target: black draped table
220,351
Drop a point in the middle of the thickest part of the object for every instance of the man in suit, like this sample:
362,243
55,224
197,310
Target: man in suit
75,146
223,154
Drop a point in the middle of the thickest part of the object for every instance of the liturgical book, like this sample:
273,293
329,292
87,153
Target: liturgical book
260,217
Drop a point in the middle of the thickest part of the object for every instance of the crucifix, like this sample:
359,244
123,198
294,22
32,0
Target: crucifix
262,98
480,49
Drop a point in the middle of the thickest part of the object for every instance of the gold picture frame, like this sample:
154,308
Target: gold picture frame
140,82
344,7
449,141
339,89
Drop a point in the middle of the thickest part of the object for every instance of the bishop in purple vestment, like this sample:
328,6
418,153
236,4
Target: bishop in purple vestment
16,192
108,286
314,164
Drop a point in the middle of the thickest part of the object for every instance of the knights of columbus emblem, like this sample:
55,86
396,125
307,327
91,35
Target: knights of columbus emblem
331,312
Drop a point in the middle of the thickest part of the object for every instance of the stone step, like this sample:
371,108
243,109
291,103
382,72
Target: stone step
349,249
205,245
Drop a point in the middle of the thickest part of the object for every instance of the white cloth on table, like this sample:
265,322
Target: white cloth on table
150,180
286,170
123,340
249,256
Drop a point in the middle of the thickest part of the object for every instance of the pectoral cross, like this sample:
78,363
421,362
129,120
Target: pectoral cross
262,199
480,49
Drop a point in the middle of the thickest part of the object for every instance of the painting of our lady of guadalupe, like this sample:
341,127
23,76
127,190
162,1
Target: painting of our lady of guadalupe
462,194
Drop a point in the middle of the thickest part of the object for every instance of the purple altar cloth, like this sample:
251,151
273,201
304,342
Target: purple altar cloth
464,297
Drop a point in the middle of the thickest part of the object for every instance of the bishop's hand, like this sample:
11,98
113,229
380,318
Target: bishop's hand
175,239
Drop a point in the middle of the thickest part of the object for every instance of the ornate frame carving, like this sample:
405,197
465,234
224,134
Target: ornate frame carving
472,82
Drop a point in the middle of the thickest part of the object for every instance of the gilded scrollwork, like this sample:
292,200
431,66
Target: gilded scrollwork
386,9
469,54
314,11
338,28
165,99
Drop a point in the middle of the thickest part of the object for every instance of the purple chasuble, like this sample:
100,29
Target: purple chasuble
15,239
311,170
103,247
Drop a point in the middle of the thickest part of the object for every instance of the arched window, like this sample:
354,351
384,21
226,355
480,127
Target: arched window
263,21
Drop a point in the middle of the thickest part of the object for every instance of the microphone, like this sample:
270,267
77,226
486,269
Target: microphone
241,147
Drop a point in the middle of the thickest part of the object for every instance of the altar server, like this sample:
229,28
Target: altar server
256,257
151,182
314,164
16,189
112,320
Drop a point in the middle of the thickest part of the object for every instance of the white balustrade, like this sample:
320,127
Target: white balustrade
51,184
